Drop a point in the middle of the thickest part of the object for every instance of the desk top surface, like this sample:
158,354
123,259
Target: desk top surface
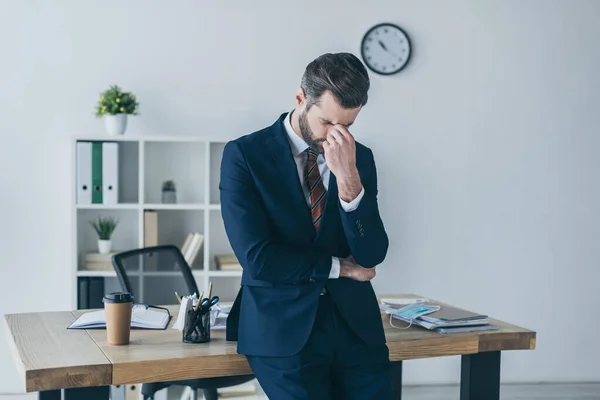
49,356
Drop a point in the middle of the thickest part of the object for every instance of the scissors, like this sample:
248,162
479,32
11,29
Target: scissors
206,304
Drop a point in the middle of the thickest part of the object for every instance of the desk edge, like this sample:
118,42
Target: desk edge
16,354
29,375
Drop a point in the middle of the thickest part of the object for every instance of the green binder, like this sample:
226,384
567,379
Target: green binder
97,172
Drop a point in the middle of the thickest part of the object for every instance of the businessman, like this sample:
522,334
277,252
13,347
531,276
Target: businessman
299,203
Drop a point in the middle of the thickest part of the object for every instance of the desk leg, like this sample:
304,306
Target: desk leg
396,372
88,393
480,376
50,395
118,392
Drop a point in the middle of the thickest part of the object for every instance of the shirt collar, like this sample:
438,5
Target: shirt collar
297,144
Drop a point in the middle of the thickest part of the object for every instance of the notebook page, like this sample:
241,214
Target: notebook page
149,318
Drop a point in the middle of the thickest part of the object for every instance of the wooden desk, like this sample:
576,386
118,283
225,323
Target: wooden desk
51,358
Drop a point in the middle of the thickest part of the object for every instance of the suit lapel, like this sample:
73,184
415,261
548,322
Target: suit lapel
284,163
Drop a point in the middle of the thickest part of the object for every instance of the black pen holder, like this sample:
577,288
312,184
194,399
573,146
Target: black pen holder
196,327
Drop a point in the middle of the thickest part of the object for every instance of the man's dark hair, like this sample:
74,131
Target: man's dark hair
341,73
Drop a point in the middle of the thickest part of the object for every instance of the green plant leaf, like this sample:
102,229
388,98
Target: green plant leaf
105,227
114,101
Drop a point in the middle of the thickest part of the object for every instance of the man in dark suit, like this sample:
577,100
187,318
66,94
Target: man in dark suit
299,203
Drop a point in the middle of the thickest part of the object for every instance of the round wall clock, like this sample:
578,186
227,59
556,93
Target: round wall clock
385,49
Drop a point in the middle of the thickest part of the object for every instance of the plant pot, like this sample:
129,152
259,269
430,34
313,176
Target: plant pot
169,197
115,124
104,246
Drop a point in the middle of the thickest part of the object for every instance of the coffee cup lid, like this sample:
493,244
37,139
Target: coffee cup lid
118,297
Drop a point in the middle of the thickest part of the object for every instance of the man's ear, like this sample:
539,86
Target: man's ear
300,97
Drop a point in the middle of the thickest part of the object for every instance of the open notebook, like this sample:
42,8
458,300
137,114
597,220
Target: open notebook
142,316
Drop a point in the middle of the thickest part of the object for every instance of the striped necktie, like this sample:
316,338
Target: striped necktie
316,189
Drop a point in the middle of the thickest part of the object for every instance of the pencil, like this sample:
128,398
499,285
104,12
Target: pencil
199,301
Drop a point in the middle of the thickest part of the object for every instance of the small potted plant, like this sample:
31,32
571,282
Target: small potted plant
104,227
169,193
115,105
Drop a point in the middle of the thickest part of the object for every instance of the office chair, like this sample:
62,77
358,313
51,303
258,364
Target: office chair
169,258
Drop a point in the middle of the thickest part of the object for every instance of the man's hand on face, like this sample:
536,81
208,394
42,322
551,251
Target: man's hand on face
350,269
340,153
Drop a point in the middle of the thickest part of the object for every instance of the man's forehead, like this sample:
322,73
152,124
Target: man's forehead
335,114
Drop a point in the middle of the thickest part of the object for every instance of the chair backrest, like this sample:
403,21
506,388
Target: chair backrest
163,258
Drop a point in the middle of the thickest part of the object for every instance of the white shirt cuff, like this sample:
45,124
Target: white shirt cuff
335,268
353,205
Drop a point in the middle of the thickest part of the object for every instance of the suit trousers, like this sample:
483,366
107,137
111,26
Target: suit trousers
334,364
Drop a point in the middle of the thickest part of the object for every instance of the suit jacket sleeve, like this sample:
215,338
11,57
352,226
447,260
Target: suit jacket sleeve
363,227
262,254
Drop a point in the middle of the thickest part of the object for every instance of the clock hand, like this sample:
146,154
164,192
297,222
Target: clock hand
385,48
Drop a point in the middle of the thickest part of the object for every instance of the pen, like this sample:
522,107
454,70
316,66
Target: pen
209,289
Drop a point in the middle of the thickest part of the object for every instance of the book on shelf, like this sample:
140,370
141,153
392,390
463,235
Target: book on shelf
191,247
227,262
150,228
151,238
98,261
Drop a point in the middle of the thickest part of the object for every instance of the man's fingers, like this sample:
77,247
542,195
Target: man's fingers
331,139
337,135
344,131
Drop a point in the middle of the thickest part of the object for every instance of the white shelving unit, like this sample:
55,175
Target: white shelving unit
193,163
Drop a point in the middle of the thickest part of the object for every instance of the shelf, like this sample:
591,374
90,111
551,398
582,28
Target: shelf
122,206
144,164
181,206
149,206
105,274
195,272
224,273
137,138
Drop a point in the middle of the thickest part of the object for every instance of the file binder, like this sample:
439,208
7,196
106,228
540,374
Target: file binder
84,173
97,172
110,172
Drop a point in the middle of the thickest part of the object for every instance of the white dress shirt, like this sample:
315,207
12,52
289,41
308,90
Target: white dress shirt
298,146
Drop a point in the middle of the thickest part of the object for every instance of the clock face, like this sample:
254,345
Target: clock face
385,49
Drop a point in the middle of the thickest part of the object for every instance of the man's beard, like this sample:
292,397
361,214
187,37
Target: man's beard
308,135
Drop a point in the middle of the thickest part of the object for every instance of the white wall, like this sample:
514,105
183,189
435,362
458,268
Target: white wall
485,144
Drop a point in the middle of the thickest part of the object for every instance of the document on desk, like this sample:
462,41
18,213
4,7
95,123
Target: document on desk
403,300
463,329
142,317
447,319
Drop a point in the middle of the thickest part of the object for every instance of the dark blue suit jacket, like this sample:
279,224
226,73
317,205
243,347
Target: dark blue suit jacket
285,262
